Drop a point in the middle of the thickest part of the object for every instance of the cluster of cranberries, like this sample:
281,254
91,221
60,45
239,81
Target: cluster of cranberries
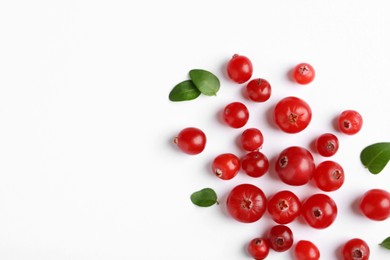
295,166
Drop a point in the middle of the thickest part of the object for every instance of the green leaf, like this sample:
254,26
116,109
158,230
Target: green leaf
183,91
386,243
205,81
375,156
204,198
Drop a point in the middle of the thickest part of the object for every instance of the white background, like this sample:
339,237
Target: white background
87,165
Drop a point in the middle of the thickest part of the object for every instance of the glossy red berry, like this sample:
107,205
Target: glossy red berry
191,140
226,166
350,122
327,144
246,203
375,204
292,114
306,250
258,248
319,211
303,73
284,206
255,164
236,114
280,238
356,249
258,90
329,176
251,139
295,166
239,68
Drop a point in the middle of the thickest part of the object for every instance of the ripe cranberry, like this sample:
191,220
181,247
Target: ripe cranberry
292,114
239,68
319,211
329,176
327,144
255,164
280,238
295,166
306,250
226,166
350,122
356,249
246,203
258,248
251,139
375,204
236,114
284,206
258,90
191,140
303,73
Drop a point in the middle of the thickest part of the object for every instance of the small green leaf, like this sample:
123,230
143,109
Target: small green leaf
375,156
183,91
386,243
204,198
205,81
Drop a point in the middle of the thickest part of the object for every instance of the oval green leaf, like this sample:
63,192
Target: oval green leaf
205,81
386,243
183,91
375,157
204,198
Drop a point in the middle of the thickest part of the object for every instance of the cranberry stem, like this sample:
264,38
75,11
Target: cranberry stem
293,118
336,174
317,212
246,204
283,161
218,172
357,254
347,124
330,146
280,241
283,204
